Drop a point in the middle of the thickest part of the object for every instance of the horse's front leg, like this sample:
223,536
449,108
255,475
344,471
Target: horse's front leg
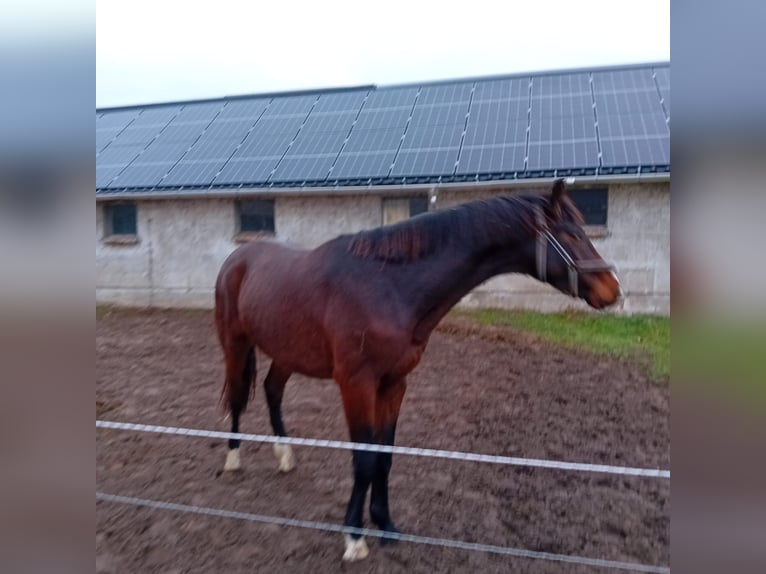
359,396
387,404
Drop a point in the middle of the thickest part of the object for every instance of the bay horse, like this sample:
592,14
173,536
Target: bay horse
361,307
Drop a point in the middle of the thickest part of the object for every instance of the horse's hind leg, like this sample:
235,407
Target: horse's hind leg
274,385
240,371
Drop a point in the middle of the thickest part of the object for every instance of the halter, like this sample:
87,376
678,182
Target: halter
575,268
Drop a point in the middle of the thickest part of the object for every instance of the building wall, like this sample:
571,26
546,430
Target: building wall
182,244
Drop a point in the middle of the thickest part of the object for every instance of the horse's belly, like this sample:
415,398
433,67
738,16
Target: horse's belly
299,350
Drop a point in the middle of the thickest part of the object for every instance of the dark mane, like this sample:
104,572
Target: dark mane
471,223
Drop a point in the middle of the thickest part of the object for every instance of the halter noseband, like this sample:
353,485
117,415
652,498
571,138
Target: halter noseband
544,237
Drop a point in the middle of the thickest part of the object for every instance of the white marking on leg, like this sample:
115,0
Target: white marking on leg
232,460
285,456
355,549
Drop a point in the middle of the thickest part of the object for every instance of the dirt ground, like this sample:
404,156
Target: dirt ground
478,389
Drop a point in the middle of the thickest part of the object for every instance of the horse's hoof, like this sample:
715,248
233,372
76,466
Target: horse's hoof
285,456
232,460
355,549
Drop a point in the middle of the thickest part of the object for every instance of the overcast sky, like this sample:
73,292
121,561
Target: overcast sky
163,50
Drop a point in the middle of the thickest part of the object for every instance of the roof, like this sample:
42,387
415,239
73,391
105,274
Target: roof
587,122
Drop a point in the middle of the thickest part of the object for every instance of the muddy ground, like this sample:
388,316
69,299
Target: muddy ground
479,389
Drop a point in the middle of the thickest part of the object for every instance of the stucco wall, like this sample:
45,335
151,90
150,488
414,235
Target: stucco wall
182,244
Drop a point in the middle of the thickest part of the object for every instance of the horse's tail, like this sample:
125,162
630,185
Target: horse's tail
239,352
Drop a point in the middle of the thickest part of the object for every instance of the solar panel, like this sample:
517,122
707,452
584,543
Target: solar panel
105,174
554,129
329,122
504,127
643,102
382,118
340,101
562,155
391,98
279,124
362,165
631,119
156,116
373,140
118,119
199,112
139,135
553,85
317,143
234,130
289,105
663,82
491,159
246,170
424,162
510,89
562,124
186,133
193,172
105,136
499,111
666,101
632,125
141,175
496,133
546,107
272,145
633,151
445,93
212,150
119,155
433,137
500,122
439,115
305,167
158,152
662,77
624,80
239,109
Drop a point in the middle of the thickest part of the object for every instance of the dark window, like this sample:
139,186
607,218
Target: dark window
592,203
418,205
256,215
120,219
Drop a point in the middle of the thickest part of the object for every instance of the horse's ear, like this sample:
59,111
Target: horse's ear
557,195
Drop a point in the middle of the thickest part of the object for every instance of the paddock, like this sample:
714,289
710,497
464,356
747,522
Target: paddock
537,400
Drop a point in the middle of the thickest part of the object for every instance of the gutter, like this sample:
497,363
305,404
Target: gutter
384,190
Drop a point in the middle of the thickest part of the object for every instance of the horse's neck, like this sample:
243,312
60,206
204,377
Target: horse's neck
455,274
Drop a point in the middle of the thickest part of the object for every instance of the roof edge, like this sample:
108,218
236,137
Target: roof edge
330,90
537,73
221,99
377,189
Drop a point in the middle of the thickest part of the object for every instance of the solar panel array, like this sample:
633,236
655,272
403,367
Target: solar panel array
614,120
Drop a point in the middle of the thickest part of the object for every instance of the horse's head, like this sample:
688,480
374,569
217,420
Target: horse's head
565,257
